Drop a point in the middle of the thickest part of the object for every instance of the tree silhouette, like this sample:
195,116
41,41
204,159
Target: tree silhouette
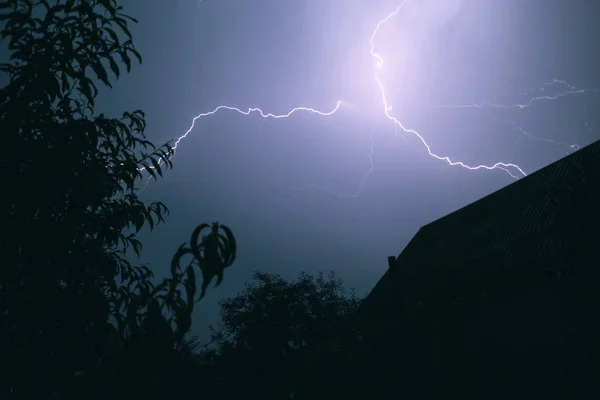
76,316
279,338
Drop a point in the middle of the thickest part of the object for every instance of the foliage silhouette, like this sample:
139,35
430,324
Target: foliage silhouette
299,336
76,315
213,254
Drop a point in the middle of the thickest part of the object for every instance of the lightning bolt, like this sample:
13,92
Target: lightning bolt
522,131
511,169
256,110
362,183
546,85
568,90
240,111
571,90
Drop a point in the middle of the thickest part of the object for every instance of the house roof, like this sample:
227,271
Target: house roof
529,220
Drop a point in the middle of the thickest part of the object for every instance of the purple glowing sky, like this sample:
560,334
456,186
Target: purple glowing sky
431,13
477,81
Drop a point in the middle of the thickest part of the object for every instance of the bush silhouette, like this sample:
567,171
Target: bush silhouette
280,338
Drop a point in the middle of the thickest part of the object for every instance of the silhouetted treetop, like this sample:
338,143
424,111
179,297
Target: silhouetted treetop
76,313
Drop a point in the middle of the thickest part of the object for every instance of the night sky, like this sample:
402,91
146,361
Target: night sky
297,192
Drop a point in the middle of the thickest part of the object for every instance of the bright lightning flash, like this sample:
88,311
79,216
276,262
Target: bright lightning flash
255,110
387,108
570,90
362,182
512,169
240,111
569,146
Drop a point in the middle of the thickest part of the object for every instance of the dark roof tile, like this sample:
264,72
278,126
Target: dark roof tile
510,227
